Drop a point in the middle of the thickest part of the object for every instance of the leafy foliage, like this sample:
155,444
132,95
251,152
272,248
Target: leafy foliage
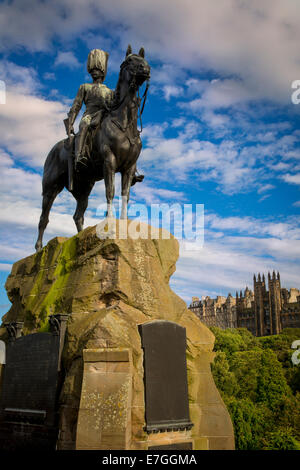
260,387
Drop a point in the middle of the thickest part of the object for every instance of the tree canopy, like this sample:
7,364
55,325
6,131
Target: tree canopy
260,387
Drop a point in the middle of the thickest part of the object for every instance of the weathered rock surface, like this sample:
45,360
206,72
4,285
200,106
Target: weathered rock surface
109,287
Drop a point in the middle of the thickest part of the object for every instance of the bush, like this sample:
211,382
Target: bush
260,386
281,439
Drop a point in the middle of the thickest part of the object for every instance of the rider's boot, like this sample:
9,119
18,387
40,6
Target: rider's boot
137,178
80,159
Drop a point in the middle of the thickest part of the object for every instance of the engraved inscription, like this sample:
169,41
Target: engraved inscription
30,378
165,376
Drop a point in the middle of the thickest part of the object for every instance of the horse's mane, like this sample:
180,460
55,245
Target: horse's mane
117,90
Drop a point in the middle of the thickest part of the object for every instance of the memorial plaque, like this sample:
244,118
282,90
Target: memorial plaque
30,386
30,377
165,376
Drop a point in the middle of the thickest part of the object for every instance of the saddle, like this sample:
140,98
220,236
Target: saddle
69,145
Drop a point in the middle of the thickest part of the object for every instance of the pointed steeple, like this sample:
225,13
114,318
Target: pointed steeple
259,278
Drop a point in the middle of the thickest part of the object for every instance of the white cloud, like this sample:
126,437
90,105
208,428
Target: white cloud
264,188
254,44
5,267
22,79
288,229
49,76
30,124
234,248
184,156
293,179
232,165
219,93
257,41
153,195
171,90
227,262
67,59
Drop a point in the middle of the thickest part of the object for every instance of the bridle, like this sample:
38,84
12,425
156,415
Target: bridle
133,86
144,97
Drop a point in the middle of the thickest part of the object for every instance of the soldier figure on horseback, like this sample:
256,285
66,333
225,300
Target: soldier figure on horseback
98,99
113,146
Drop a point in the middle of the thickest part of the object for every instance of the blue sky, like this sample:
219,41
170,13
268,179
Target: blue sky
220,128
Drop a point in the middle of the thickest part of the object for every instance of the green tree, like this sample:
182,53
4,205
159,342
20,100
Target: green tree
250,423
281,439
225,380
271,382
228,341
246,365
260,386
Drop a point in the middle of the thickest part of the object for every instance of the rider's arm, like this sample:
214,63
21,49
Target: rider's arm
76,106
110,98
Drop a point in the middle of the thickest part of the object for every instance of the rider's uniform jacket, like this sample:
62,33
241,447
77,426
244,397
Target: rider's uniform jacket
95,96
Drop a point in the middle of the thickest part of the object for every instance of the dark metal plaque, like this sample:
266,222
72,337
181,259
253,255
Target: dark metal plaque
177,446
30,377
31,383
165,376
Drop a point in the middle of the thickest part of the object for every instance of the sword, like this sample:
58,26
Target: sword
70,157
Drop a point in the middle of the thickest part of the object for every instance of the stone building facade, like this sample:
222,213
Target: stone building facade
220,312
262,311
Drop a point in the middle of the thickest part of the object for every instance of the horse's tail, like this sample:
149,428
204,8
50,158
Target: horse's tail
55,167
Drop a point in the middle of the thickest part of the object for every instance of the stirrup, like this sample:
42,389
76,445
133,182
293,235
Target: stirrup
81,162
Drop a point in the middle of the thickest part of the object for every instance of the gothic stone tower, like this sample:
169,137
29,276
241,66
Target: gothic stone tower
260,294
267,304
274,303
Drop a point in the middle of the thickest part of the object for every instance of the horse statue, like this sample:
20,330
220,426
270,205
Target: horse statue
115,147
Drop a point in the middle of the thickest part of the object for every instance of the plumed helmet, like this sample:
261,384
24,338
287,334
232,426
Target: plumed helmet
97,59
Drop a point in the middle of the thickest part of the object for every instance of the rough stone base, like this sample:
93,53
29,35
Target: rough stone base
110,287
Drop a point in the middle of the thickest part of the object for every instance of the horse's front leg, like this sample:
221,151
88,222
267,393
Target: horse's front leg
48,199
109,179
127,177
82,203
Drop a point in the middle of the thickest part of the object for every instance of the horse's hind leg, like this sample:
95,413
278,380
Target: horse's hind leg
82,203
127,177
78,216
109,169
48,199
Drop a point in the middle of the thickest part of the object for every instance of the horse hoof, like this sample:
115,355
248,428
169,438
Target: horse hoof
38,246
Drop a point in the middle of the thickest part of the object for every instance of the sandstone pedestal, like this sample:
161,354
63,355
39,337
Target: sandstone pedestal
109,287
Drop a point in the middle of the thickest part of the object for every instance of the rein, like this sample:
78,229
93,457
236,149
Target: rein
140,104
140,109
143,106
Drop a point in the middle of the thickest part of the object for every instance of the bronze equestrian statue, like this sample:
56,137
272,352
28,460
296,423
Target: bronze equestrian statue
108,140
